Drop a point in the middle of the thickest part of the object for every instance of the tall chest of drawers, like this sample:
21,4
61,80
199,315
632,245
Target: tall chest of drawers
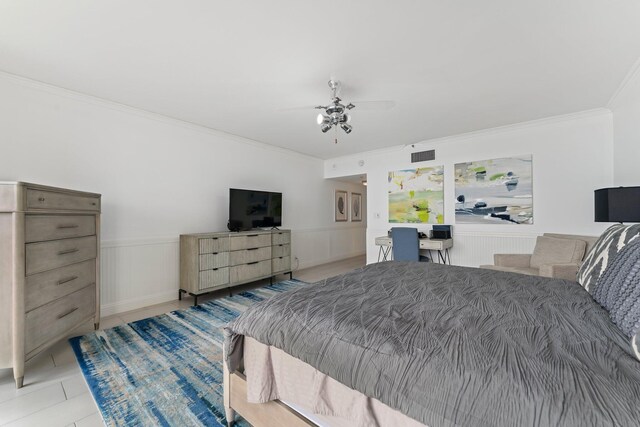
49,268
212,261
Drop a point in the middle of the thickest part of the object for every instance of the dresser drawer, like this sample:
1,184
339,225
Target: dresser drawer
214,244
281,264
58,317
249,255
47,199
249,241
58,253
251,271
45,287
281,250
39,228
281,237
209,261
213,278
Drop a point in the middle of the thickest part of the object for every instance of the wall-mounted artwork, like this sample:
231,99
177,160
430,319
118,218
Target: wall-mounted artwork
497,191
341,206
356,207
417,195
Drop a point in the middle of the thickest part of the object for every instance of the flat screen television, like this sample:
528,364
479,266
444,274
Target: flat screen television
254,209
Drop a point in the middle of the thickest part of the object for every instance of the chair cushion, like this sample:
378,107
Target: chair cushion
604,252
550,250
618,291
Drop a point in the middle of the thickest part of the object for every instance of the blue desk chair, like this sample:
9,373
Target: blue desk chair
406,244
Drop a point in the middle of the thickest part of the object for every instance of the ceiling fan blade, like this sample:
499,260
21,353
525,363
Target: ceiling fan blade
305,107
373,105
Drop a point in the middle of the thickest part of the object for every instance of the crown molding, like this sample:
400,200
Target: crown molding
150,115
633,73
430,143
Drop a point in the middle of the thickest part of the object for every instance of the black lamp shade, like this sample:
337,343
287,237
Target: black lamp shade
619,204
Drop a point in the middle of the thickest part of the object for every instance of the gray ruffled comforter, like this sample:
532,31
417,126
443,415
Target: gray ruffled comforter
457,346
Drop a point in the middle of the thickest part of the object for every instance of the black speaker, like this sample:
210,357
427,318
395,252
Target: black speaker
441,232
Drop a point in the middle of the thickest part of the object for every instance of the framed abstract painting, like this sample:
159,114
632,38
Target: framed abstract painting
341,206
356,207
417,195
495,191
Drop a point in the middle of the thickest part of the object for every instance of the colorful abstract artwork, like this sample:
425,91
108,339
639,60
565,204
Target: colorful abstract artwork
417,195
497,191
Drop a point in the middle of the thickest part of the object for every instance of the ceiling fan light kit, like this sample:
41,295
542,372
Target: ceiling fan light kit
335,114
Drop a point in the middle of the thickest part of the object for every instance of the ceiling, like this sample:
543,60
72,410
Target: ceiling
450,66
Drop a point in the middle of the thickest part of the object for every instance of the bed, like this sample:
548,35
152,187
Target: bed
439,345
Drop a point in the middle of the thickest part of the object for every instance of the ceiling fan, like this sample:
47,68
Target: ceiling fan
336,115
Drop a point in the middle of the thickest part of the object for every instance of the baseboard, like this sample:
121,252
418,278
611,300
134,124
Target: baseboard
137,303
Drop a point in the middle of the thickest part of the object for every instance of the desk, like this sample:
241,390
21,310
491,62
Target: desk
442,246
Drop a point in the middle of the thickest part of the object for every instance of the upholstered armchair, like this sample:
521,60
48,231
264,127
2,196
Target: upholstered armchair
555,255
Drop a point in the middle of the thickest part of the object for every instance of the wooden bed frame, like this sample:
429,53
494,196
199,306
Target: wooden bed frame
267,414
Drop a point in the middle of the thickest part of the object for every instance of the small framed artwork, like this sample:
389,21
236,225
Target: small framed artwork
356,207
341,206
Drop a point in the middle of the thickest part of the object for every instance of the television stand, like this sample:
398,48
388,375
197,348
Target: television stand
222,260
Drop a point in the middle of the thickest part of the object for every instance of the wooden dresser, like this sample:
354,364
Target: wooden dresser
212,261
49,268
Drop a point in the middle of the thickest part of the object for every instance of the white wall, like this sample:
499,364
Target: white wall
572,156
626,131
159,178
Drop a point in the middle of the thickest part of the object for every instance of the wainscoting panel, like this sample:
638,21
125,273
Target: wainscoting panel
136,274
471,249
139,273
475,249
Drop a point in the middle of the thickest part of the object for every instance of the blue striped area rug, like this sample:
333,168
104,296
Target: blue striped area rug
165,370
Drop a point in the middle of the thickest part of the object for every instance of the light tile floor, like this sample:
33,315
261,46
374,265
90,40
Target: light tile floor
55,392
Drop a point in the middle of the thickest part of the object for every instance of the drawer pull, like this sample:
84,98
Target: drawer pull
214,269
253,249
62,227
252,235
254,262
67,313
93,203
280,245
281,257
67,280
214,238
68,251
41,199
215,253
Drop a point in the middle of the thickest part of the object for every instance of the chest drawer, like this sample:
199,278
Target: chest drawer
45,287
281,264
281,250
214,244
209,261
40,228
281,237
251,271
46,199
58,317
249,241
58,253
249,255
213,278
